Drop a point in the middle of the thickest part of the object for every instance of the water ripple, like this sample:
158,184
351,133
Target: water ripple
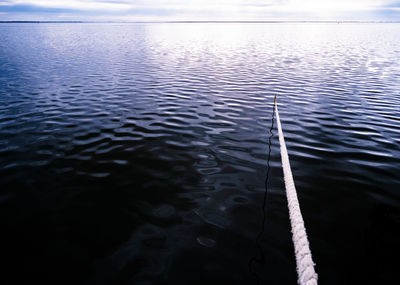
128,149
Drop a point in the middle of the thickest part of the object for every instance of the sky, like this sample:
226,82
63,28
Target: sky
199,10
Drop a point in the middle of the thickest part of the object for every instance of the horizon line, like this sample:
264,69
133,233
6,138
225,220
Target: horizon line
204,21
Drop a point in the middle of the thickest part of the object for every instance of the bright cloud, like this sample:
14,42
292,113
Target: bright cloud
203,9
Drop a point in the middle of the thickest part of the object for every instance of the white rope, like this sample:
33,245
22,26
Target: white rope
305,265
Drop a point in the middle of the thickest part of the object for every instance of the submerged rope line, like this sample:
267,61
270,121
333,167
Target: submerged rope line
305,265
263,207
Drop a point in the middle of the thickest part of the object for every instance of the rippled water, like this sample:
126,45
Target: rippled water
136,153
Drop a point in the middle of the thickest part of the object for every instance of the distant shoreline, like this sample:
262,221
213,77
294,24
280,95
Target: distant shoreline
189,22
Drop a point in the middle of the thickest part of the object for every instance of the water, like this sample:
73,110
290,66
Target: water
136,153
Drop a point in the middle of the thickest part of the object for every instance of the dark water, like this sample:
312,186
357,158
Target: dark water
136,153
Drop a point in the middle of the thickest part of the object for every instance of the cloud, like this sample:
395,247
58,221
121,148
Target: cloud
81,5
203,9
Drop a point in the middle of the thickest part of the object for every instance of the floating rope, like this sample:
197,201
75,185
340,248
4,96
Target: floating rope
305,265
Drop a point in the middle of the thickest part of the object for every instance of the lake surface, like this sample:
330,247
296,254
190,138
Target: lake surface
137,153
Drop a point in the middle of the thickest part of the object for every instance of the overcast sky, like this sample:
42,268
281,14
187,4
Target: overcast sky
160,10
